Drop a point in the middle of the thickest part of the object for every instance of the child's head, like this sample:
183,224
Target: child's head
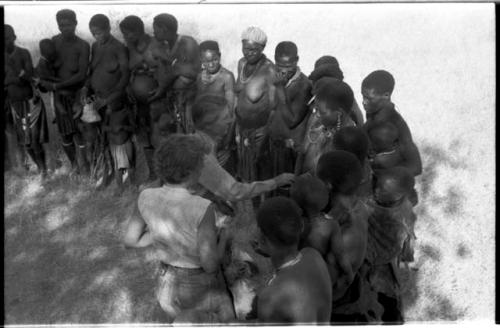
352,139
47,49
280,223
310,193
179,159
383,137
333,99
210,56
377,89
341,171
391,185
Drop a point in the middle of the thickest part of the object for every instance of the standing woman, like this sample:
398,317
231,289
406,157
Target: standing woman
256,101
143,66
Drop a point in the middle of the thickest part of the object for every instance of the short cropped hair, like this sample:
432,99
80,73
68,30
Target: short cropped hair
101,21
166,20
354,140
326,66
336,94
342,170
8,29
209,45
310,193
286,48
381,81
66,14
404,180
178,157
132,23
207,109
279,220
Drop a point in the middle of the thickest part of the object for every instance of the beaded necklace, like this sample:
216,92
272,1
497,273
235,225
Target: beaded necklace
322,130
287,264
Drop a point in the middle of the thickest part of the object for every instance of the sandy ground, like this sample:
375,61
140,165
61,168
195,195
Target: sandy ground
63,259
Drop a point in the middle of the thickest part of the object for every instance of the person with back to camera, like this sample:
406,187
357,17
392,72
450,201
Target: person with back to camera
300,291
181,227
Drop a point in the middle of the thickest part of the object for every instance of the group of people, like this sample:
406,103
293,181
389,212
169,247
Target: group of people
333,193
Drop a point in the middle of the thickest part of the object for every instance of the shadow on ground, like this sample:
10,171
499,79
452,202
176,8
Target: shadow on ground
431,304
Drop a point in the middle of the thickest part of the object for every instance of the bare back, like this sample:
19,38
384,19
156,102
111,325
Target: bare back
301,293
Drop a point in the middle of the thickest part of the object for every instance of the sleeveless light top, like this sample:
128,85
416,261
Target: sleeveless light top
173,216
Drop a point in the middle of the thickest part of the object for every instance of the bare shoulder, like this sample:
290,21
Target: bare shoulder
311,254
24,53
227,75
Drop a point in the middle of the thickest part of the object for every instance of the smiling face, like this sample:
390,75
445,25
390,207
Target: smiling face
252,51
286,66
210,61
67,27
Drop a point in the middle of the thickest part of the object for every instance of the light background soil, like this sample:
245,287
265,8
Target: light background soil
58,261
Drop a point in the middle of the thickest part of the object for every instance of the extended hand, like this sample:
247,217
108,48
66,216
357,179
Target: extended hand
284,179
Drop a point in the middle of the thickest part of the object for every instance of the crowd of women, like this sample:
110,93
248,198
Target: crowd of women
333,193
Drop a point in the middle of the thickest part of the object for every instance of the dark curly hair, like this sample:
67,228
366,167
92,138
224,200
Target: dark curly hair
279,220
341,170
178,157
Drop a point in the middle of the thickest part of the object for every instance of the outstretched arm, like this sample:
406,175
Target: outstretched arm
217,180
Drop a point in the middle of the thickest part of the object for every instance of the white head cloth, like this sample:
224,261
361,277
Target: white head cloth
254,34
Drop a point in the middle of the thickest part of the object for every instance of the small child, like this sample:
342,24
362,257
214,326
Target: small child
386,152
119,126
321,231
354,140
392,221
45,70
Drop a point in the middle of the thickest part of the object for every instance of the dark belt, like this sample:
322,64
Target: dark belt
188,271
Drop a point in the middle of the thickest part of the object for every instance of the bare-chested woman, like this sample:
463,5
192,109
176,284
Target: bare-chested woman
108,75
71,65
256,101
143,65
179,68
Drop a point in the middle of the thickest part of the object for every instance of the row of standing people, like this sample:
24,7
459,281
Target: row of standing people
270,105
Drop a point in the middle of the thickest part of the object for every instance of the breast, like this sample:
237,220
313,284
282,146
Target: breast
255,89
